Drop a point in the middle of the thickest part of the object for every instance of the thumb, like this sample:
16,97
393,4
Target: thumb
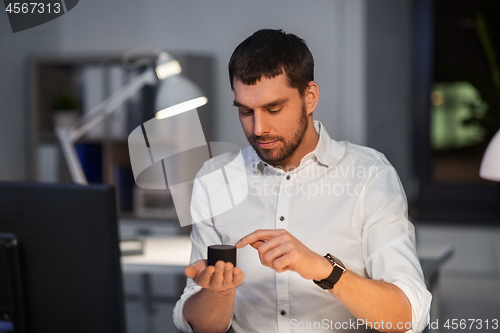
192,270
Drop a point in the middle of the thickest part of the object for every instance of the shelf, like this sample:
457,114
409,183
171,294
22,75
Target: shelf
91,78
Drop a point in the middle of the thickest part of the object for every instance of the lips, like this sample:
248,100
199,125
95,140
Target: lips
267,145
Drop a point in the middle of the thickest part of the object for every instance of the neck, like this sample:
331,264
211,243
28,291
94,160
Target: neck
308,144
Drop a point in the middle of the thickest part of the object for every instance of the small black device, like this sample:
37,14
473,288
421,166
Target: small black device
338,270
226,253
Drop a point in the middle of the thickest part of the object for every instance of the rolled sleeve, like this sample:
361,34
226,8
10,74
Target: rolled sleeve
420,300
389,247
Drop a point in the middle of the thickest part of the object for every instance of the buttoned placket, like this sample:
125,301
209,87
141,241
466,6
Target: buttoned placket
282,220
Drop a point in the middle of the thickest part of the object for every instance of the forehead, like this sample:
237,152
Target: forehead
264,91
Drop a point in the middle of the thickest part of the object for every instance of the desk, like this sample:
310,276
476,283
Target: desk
170,255
161,255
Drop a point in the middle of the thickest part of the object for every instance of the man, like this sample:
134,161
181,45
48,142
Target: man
324,243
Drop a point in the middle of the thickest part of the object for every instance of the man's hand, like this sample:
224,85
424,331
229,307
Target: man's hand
222,277
211,309
281,251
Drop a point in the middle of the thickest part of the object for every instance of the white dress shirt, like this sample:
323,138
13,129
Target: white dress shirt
343,199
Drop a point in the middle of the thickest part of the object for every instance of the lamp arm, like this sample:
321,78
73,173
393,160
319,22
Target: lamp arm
105,108
70,155
67,135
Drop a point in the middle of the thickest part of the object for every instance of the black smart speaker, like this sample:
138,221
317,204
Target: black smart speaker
226,253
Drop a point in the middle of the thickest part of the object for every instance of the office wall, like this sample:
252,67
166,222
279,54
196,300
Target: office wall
389,83
360,48
14,51
332,29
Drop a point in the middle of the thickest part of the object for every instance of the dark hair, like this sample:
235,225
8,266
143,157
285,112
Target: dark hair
270,53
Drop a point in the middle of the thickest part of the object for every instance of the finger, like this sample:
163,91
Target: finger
238,276
227,282
278,241
195,268
282,264
268,258
203,278
218,275
257,244
258,235
273,243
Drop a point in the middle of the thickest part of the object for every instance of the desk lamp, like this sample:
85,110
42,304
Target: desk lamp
490,165
176,94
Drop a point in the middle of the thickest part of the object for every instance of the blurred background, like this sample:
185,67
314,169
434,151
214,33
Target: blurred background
417,80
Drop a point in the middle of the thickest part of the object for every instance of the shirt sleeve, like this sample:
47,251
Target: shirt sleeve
203,234
389,247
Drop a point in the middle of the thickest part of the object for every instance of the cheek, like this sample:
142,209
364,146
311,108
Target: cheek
290,120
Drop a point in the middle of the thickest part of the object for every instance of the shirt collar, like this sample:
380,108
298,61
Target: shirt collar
327,152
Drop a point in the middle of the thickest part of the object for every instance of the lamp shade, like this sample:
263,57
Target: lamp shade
490,165
177,94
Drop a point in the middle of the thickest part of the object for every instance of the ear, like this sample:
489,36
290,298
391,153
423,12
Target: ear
311,96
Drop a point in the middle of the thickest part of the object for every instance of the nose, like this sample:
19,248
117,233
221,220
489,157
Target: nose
260,124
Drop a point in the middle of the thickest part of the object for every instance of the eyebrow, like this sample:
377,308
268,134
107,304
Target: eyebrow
268,105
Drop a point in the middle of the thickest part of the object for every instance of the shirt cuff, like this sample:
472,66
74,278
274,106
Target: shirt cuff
420,301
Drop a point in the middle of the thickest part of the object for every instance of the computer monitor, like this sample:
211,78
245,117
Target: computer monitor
69,256
11,298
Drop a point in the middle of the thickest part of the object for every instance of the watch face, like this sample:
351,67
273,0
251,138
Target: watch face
338,270
337,261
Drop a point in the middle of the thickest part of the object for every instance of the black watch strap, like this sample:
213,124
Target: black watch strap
338,270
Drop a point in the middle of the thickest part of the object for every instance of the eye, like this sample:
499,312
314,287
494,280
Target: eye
273,110
245,112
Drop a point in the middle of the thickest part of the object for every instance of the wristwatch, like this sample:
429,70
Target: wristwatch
338,270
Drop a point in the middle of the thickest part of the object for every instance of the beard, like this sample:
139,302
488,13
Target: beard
288,147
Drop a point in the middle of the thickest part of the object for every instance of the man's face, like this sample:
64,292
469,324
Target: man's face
273,116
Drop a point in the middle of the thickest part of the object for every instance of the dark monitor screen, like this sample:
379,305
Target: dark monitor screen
5,283
69,255
11,298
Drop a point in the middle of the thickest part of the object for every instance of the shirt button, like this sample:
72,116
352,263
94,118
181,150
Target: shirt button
287,177
282,218
283,312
